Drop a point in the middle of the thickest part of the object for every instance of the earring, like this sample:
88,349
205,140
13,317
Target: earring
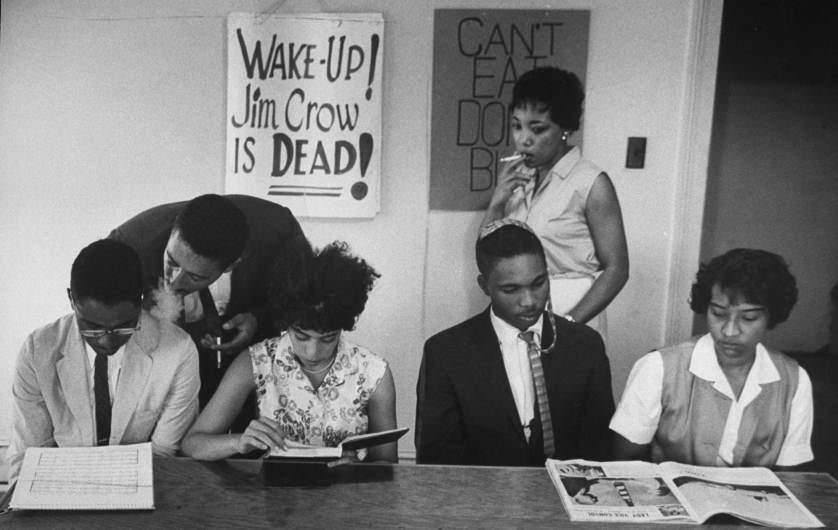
565,135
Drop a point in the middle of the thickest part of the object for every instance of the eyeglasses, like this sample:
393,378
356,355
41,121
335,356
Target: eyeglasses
99,333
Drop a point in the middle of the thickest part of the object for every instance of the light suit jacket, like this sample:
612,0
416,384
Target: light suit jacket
156,397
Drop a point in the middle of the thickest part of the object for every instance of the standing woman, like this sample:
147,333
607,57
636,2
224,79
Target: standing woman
569,202
313,386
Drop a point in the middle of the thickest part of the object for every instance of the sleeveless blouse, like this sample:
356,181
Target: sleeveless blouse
557,215
338,408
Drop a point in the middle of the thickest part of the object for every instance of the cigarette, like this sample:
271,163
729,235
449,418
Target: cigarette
516,156
218,353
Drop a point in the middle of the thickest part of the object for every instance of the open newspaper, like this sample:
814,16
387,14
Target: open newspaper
642,492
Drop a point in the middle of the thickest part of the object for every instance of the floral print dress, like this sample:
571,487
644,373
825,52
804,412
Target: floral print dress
322,416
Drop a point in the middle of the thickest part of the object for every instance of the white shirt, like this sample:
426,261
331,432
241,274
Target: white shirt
639,411
114,368
516,360
220,291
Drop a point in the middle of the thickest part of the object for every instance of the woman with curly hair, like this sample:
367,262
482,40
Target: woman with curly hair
313,386
723,399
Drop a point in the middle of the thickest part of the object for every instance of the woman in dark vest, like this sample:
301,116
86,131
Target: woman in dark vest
723,399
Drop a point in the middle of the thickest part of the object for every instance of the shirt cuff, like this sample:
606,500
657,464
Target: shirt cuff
794,455
631,430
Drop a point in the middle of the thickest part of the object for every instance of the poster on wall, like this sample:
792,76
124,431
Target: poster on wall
304,111
478,56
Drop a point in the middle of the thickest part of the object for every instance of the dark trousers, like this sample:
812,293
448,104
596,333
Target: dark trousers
211,374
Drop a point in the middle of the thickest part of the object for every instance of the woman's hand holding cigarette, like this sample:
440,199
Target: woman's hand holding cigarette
509,178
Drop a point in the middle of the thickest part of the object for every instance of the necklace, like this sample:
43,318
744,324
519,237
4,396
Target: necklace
552,320
319,370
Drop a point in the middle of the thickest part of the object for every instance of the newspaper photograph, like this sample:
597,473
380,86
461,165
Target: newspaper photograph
754,494
616,491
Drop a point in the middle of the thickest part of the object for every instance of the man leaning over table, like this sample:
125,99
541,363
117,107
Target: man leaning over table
108,373
514,384
209,260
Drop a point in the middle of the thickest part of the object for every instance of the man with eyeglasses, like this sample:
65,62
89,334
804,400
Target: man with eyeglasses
108,373
515,384
207,265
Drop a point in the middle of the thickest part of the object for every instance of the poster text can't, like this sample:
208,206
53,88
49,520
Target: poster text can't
478,56
304,111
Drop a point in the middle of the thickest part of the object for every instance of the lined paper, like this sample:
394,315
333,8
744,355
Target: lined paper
117,477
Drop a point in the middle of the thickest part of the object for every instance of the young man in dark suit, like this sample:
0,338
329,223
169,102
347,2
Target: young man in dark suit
507,387
207,265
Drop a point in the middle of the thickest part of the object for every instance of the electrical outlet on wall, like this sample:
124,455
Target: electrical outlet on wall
636,152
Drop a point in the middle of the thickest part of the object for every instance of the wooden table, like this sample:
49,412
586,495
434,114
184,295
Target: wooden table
231,494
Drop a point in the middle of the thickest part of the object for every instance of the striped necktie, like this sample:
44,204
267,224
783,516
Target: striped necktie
534,353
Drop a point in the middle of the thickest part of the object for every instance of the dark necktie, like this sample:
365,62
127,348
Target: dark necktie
211,318
103,399
540,385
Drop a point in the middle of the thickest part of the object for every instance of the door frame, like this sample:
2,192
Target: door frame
693,161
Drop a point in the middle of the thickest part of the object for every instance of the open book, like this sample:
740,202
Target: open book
640,492
351,443
114,477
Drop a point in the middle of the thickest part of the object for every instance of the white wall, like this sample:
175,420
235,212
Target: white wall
107,108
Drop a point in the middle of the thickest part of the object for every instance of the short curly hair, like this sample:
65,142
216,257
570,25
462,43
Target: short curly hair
322,290
759,276
560,91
